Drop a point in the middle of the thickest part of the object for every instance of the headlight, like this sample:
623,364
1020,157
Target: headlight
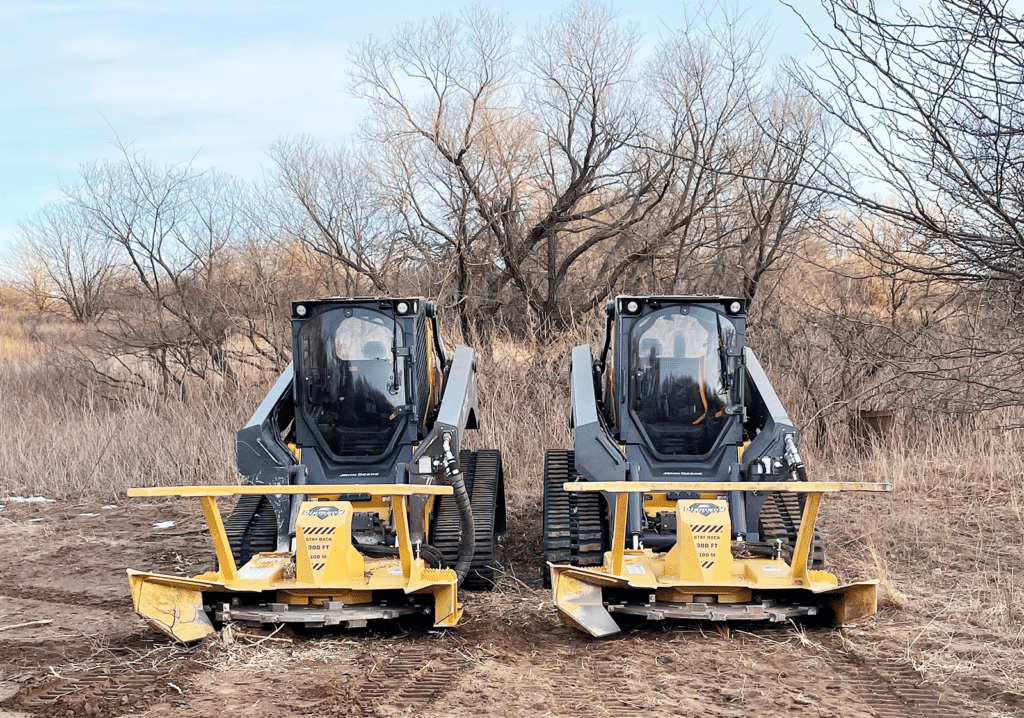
402,308
300,310
735,307
632,306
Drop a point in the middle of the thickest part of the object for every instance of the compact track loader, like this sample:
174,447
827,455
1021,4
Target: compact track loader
358,502
685,496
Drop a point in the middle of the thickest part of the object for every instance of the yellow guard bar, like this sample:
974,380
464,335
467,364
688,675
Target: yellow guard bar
311,489
814,489
208,496
710,487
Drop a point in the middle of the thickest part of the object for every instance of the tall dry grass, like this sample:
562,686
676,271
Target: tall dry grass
62,437
949,538
524,406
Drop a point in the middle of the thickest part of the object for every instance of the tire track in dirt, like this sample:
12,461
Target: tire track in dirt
59,596
890,691
111,687
413,678
613,687
113,690
893,691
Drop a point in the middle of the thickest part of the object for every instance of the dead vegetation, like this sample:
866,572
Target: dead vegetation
898,366
946,544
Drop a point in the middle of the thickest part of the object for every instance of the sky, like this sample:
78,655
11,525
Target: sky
216,82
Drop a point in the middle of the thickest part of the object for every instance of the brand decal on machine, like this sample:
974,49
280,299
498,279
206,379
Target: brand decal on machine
705,508
322,512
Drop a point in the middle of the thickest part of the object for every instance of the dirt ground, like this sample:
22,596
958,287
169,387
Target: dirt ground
65,565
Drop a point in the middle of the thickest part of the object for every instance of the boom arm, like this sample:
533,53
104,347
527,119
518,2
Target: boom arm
459,408
777,432
458,412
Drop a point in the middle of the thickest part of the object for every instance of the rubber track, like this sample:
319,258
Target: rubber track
780,519
574,529
487,482
251,528
481,470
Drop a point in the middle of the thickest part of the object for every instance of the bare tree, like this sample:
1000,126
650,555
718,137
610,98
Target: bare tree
439,96
744,146
77,261
518,163
532,181
168,226
330,201
785,153
703,84
935,99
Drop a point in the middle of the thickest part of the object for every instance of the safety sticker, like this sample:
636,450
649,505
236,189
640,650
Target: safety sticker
256,572
395,572
633,568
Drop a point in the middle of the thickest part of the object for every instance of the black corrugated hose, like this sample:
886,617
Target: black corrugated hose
467,543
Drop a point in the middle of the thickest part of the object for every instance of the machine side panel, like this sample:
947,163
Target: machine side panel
262,456
598,458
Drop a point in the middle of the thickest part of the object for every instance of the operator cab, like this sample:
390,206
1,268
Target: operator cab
679,393
673,382
368,384
351,379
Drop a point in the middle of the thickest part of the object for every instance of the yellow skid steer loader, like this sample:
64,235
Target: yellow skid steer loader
358,502
685,495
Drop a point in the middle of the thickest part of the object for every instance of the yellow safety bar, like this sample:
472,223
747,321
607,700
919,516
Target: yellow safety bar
292,489
399,494
813,489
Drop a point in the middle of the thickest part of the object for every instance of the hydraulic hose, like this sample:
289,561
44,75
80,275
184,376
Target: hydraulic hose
467,542
433,557
796,464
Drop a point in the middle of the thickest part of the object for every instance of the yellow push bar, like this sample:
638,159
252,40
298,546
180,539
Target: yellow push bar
399,494
813,489
293,489
711,487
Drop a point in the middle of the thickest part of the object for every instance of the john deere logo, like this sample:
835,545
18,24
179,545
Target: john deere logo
705,509
322,512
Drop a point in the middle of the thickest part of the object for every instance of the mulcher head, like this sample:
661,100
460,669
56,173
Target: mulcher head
704,575
325,581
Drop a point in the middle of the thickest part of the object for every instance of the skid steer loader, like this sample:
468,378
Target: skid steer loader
358,503
685,495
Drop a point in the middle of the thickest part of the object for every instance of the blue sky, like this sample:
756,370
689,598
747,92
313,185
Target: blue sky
218,81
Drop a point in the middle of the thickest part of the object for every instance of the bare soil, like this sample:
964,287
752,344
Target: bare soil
511,656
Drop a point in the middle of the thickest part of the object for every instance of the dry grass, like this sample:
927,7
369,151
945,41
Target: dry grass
64,439
946,545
